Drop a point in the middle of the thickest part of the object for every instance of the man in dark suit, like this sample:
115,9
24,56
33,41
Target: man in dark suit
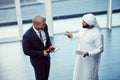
36,44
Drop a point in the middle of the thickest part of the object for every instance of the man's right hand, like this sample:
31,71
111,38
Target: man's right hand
69,34
46,52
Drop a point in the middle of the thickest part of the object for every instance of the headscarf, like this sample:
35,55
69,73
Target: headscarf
90,19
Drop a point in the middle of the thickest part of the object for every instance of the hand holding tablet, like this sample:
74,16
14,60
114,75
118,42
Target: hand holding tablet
53,49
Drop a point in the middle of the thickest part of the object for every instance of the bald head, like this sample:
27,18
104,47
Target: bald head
38,22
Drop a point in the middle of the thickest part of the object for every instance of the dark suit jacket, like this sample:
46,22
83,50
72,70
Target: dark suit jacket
32,45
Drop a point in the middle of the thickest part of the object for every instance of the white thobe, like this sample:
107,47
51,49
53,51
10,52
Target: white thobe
91,41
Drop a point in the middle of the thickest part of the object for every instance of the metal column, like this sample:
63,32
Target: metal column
49,20
109,13
19,17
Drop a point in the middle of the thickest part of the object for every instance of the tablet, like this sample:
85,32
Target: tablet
79,52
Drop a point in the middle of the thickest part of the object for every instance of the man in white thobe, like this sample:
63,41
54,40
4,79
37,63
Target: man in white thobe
89,49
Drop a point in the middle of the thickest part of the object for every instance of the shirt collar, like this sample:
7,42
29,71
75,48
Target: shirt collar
35,29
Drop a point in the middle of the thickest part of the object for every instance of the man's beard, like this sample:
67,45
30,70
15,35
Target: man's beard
85,26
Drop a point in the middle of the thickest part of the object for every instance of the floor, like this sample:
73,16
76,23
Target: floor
14,65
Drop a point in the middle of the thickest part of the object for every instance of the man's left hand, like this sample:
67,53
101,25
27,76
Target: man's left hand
85,54
51,48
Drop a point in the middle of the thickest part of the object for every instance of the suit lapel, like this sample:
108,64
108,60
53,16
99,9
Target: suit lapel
36,36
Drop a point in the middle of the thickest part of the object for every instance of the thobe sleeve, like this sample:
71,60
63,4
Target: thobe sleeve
76,36
79,34
98,44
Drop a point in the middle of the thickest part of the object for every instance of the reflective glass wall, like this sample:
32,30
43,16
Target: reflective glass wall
61,11
7,15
